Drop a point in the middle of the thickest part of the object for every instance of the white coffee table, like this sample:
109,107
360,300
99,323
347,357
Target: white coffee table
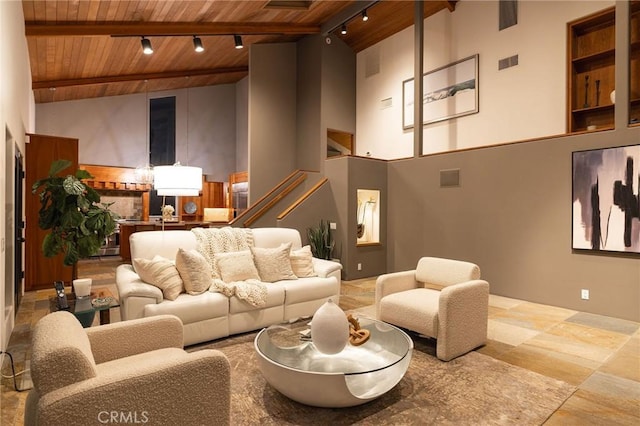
354,376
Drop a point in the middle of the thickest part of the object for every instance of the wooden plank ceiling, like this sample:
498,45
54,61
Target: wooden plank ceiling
85,49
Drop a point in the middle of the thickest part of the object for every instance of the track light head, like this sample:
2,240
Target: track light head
343,30
365,17
238,41
197,44
146,46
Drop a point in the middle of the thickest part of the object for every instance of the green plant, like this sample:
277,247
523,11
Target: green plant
71,210
320,240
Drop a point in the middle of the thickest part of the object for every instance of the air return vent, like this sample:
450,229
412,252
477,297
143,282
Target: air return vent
511,61
449,178
288,4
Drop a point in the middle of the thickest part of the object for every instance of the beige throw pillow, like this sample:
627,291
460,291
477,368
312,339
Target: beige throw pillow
302,263
161,273
273,263
236,266
194,270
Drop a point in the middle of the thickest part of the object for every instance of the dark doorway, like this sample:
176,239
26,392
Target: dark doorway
18,230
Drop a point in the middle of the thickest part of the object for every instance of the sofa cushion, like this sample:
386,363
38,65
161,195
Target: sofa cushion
273,264
445,272
302,262
306,289
236,266
221,240
161,273
194,271
415,309
192,308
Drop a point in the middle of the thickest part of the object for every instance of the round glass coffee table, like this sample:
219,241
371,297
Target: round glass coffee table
290,363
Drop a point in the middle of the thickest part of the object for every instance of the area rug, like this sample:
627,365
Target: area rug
473,389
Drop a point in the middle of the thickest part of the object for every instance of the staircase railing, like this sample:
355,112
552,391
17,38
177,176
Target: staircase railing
302,198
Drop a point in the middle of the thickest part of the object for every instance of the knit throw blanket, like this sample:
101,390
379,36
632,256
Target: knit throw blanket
224,240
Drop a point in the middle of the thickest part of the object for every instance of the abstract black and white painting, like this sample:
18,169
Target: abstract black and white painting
606,205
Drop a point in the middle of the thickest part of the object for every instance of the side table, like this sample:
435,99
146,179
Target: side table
100,300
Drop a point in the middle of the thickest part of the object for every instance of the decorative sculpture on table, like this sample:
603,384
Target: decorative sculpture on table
167,213
586,92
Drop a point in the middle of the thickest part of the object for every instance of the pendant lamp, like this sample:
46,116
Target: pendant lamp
177,180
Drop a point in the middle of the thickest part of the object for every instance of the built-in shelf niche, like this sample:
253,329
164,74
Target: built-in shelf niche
368,217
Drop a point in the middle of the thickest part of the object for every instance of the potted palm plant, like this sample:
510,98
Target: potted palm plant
72,211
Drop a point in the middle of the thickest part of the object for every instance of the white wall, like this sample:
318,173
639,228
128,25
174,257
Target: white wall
525,101
112,130
16,118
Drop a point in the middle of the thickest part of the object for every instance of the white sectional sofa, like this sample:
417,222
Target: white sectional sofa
211,315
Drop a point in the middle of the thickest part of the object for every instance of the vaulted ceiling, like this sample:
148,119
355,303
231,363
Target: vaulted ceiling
85,49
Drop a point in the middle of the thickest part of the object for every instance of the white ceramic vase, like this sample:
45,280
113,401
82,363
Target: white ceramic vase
329,328
82,287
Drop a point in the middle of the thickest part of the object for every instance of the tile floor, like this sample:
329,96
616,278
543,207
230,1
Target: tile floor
597,354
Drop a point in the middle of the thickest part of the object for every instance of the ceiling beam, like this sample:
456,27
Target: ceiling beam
134,77
125,29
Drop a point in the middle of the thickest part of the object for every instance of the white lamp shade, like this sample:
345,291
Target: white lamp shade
177,180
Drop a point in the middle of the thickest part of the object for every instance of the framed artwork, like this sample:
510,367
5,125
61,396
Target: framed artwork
606,206
448,92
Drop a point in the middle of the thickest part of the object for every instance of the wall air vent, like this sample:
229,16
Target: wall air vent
511,61
449,178
386,103
289,4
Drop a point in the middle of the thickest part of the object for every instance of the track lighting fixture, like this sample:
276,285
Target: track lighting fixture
146,46
343,31
197,44
238,41
365,17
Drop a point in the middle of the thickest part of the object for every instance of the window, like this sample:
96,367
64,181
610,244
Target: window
162,143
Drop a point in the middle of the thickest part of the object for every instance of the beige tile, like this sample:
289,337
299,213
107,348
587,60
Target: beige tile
533,316
507,333
602,399
606,323
565,340
626,362
572,370
589,335
503,302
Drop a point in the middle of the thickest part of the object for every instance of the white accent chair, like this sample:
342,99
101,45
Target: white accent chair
127,372
442,298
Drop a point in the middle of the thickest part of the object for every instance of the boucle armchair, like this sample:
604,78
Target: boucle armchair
442,298
127,372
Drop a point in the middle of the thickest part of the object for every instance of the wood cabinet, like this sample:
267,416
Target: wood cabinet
591,72
212,195
40,152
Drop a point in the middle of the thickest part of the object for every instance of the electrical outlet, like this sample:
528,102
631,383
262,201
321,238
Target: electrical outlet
584,294
333,225
359,266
